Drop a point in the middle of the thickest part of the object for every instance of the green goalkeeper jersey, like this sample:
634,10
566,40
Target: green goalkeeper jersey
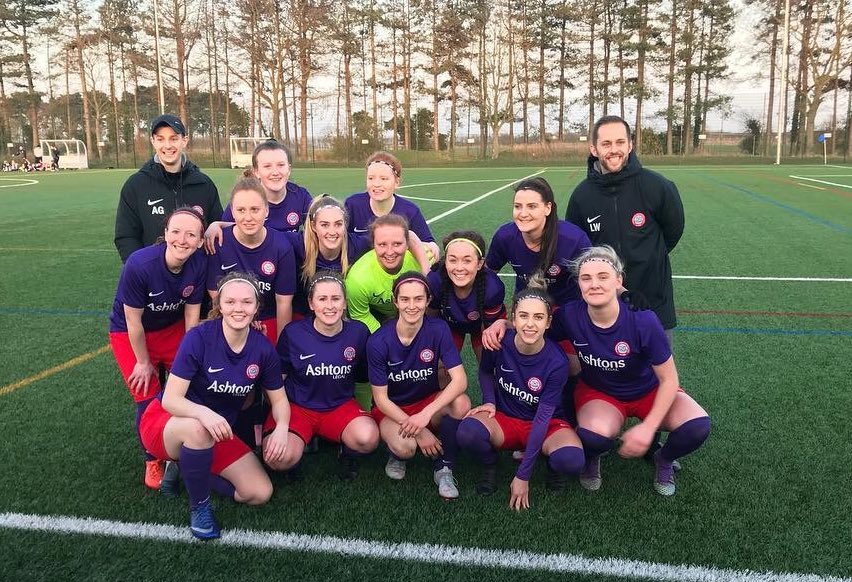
369,289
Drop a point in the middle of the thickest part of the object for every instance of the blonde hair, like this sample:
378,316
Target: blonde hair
602,253
309,267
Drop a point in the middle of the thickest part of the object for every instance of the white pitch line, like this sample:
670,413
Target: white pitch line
821,181
480,197
424,553
810,186
21,182
434,199
734,278
449,183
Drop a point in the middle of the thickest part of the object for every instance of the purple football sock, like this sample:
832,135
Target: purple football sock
594,444
140,410
222,486
567,460
195,468
686,438
474,437
449,442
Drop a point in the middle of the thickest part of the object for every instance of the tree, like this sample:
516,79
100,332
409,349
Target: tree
20,20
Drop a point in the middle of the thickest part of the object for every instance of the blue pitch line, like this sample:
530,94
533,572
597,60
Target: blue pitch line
763,331
693,329
51,311
787,207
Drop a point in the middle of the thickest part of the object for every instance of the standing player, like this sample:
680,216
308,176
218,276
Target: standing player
384,175
157,300
537,241
167,181
369,283
320,358
635,210
521,401
465,293
626,370
409,405
248,246
271,163
219,364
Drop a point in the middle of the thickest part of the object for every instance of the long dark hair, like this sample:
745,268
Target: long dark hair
447,287
550,236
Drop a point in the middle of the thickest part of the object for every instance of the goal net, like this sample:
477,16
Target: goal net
242,148
72,153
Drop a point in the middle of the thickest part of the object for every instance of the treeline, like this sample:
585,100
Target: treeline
520,69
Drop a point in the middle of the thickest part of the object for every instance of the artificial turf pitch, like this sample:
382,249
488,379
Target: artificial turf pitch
771,360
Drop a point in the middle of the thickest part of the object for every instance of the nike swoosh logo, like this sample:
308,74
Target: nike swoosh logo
202,530
304,357
360,229
155,294
395,363
515,265
579,344
152,202
594,218
504,369
226,267
212,370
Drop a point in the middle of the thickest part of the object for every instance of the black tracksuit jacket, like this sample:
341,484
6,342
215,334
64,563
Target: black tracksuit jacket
151,194
640,214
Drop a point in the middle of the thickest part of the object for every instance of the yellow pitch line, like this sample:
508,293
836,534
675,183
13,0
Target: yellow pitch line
9,388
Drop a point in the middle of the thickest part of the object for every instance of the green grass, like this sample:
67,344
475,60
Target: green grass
769,491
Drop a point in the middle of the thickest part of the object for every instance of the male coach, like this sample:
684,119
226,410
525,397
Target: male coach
635,210
167,181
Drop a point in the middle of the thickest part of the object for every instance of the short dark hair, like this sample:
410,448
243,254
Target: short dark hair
606,120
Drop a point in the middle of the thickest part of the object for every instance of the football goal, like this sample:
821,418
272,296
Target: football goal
72,153
242,148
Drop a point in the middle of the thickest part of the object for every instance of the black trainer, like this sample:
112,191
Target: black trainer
347,467
555,481
170,485
487,483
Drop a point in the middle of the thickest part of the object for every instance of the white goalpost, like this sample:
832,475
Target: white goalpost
242,148
72,153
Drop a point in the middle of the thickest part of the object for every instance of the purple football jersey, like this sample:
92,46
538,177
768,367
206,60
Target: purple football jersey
361,215
272,263
410,372
356,245
508,246
520,382
618,360
147,283
463,315
287,215
320,370
220,378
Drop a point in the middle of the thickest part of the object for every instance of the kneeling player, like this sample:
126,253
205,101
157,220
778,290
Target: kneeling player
521,401
219,364
403,358
320,357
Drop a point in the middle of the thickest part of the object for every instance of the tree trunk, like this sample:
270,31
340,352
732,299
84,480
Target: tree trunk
640,74
436,142
592,19
773,65
181,55
562,50
510,104
394,97
670,103
87,124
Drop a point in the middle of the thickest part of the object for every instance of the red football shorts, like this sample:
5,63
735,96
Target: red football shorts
162,346
409,409
516,432
305,423
638,408
151,428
